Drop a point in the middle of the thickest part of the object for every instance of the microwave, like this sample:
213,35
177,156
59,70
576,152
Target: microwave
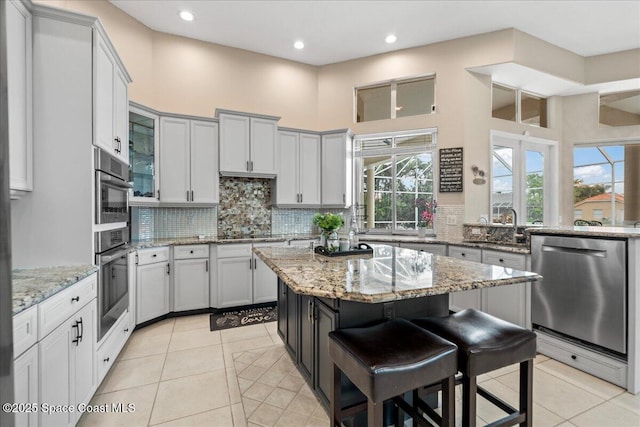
112,189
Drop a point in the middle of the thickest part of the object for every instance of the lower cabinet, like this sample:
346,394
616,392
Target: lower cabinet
25,374
434,248
234,273
112,343
152,284
511,302
288,317
465,299
191,277
66,368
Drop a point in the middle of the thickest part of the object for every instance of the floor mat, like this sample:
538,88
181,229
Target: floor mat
250,316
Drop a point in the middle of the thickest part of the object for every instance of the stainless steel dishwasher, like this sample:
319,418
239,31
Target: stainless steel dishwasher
583,293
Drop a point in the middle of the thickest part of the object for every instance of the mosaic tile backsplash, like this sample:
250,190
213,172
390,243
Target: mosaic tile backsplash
161,223
245,206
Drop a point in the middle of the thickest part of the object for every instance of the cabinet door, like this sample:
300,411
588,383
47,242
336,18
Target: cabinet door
265,282
152,291
104,97
263,146
83,356
190,284
19,82
287,192
121,116
282,310
234,144
309,168
325,321
25,374
506,302
204,162
174,160
305,325
466,299
55,374
335,184
234,282
292,323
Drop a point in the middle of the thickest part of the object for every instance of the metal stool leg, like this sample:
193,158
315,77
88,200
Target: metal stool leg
469,401
526,391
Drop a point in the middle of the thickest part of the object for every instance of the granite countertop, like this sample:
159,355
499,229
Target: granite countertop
141,244
517,248
34,285
619,232
389,274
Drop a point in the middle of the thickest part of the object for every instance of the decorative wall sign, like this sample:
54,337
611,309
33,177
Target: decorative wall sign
451,170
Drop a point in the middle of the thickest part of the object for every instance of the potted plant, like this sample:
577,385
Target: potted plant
329,224
426,215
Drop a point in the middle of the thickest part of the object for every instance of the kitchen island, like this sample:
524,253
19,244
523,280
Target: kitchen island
318,294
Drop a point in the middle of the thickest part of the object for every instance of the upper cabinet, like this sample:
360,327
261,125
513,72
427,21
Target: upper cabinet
298,181
247,144
19,84
188,159
111,103
143,155
337,169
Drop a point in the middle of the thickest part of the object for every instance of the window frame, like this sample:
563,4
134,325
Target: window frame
393,83
394,152
520,144
519,93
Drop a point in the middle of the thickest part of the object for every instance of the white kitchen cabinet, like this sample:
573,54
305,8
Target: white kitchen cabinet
111,101
67,368
247,144
234,274
508,302
191,277
298,181
152,284
337,169
188,160
265,280
25,386
19,98
465,299
433,248
111,345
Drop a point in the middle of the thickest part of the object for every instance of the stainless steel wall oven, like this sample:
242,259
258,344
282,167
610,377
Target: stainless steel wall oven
112,189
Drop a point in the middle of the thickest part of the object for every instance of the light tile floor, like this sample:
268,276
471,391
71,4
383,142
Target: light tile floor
178,373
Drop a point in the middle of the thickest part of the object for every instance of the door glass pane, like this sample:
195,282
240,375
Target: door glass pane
413,98
414,192
502,187
141,154
374,103
534,167
503,103
378,191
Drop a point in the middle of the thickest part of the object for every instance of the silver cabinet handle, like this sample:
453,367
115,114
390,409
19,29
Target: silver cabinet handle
248,170
187,195
168,269
206,266
192,195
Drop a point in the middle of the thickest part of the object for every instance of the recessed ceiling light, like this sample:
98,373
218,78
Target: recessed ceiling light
299,44
391,38
186,15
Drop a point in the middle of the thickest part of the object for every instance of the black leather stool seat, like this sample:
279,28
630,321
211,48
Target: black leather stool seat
389,359
485,343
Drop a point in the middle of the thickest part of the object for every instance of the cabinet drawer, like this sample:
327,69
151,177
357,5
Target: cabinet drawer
469,254
153,255
191,251
504,259
55,310
25,330
111,346
234,250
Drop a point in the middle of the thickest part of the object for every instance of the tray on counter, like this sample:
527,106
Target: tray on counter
362,249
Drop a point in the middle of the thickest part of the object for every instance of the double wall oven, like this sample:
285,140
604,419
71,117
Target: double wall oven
112,241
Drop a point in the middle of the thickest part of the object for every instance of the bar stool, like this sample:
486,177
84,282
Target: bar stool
486,343
387,360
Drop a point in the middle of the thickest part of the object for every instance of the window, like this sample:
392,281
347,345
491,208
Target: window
396,98
518,106
521,179
394,171
606,180
620,109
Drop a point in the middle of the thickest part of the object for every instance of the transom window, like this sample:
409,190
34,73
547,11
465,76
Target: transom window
396,180
395,98
518,106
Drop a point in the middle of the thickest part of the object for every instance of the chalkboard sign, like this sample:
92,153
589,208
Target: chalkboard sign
451,170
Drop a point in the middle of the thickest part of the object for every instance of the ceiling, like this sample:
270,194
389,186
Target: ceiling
335,31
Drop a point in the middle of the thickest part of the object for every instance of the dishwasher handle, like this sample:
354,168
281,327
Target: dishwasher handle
600,253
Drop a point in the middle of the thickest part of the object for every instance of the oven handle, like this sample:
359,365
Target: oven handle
117,182
105,259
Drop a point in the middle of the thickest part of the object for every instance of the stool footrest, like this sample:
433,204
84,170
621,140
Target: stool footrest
422,405
417,418
496,401
517,418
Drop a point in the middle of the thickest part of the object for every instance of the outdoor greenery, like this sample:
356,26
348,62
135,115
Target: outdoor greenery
583,191
535,198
